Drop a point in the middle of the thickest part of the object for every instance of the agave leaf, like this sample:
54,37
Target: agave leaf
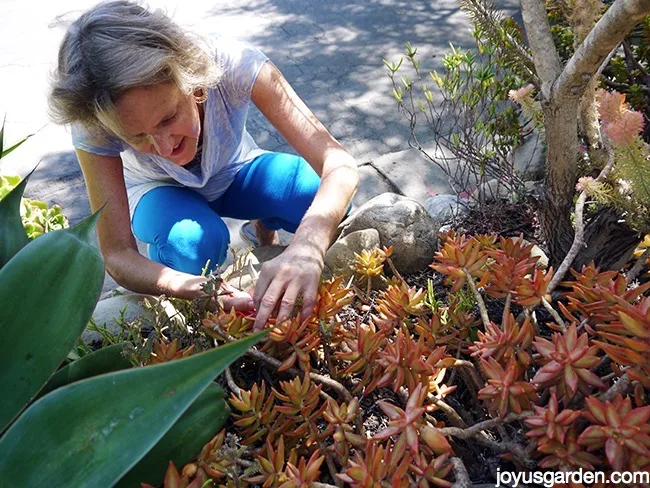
104,360
49,291
184,440
10,149
2,134
12,233
92,432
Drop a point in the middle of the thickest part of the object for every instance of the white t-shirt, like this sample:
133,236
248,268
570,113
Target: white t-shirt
227,145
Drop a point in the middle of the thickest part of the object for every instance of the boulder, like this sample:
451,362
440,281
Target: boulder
340,256
529,158
445,208
110,312
402,223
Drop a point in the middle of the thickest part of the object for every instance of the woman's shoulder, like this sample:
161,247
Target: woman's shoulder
96,141
231,51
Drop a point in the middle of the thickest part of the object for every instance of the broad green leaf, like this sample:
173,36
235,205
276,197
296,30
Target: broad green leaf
104,360
49,291
12,233
90,433
184,441
7,151
2,134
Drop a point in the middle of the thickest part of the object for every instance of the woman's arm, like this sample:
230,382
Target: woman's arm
297,271
105,185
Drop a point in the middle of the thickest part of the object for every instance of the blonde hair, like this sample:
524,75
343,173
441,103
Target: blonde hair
118,45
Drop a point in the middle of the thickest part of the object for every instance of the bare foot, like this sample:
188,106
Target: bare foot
266,237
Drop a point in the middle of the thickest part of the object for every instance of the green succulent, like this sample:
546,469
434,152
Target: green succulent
37,217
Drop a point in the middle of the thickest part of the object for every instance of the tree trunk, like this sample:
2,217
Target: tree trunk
610,242
562,142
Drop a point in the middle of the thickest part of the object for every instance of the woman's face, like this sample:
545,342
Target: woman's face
161,120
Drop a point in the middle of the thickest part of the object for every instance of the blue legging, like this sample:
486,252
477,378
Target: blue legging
184,230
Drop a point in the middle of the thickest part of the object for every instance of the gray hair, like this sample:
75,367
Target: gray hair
118,45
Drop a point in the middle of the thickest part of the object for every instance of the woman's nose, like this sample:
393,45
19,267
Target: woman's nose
164,144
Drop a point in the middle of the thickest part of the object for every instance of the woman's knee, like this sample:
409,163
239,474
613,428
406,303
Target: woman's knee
192,246
182,231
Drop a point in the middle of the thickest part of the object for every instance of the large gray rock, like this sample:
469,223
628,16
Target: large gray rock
445,208
110,312
402,223
340,257
529,159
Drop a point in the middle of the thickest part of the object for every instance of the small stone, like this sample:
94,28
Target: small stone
340,256
243,276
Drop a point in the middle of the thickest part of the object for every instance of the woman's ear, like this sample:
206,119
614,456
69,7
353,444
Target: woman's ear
200,95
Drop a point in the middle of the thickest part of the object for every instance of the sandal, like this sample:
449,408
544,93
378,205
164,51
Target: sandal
248,234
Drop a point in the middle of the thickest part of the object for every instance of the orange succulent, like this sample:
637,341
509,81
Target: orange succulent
619,428
257,413
566,363
512,342
376,466
457,256
505,390
549,423
162,352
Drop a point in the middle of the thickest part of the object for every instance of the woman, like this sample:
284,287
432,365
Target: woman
158,119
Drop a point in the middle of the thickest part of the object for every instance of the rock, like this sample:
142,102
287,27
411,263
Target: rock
108,314
402,223
340,257
491,190
445,208
536,251
244,274
542,262
529,159
113,311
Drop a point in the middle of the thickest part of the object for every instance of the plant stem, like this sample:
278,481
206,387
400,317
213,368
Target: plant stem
394,270
553,312
618,388
470,432
638,266
479,299
460,473
231,383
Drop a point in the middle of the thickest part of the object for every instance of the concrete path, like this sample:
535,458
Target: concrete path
331,52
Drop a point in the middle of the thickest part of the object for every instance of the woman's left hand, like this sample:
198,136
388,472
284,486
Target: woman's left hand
296,272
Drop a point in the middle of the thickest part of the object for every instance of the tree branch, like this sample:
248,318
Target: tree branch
638,266
608,32
460,473
538,31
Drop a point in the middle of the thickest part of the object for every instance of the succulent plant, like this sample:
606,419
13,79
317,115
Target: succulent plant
619,428
567,362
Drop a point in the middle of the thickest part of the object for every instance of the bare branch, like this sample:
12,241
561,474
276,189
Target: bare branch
608,32
479,299
618,388
460,473
638,266
476,429
554,314
538,31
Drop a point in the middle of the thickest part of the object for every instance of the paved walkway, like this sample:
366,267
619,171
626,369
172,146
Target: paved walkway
331,52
